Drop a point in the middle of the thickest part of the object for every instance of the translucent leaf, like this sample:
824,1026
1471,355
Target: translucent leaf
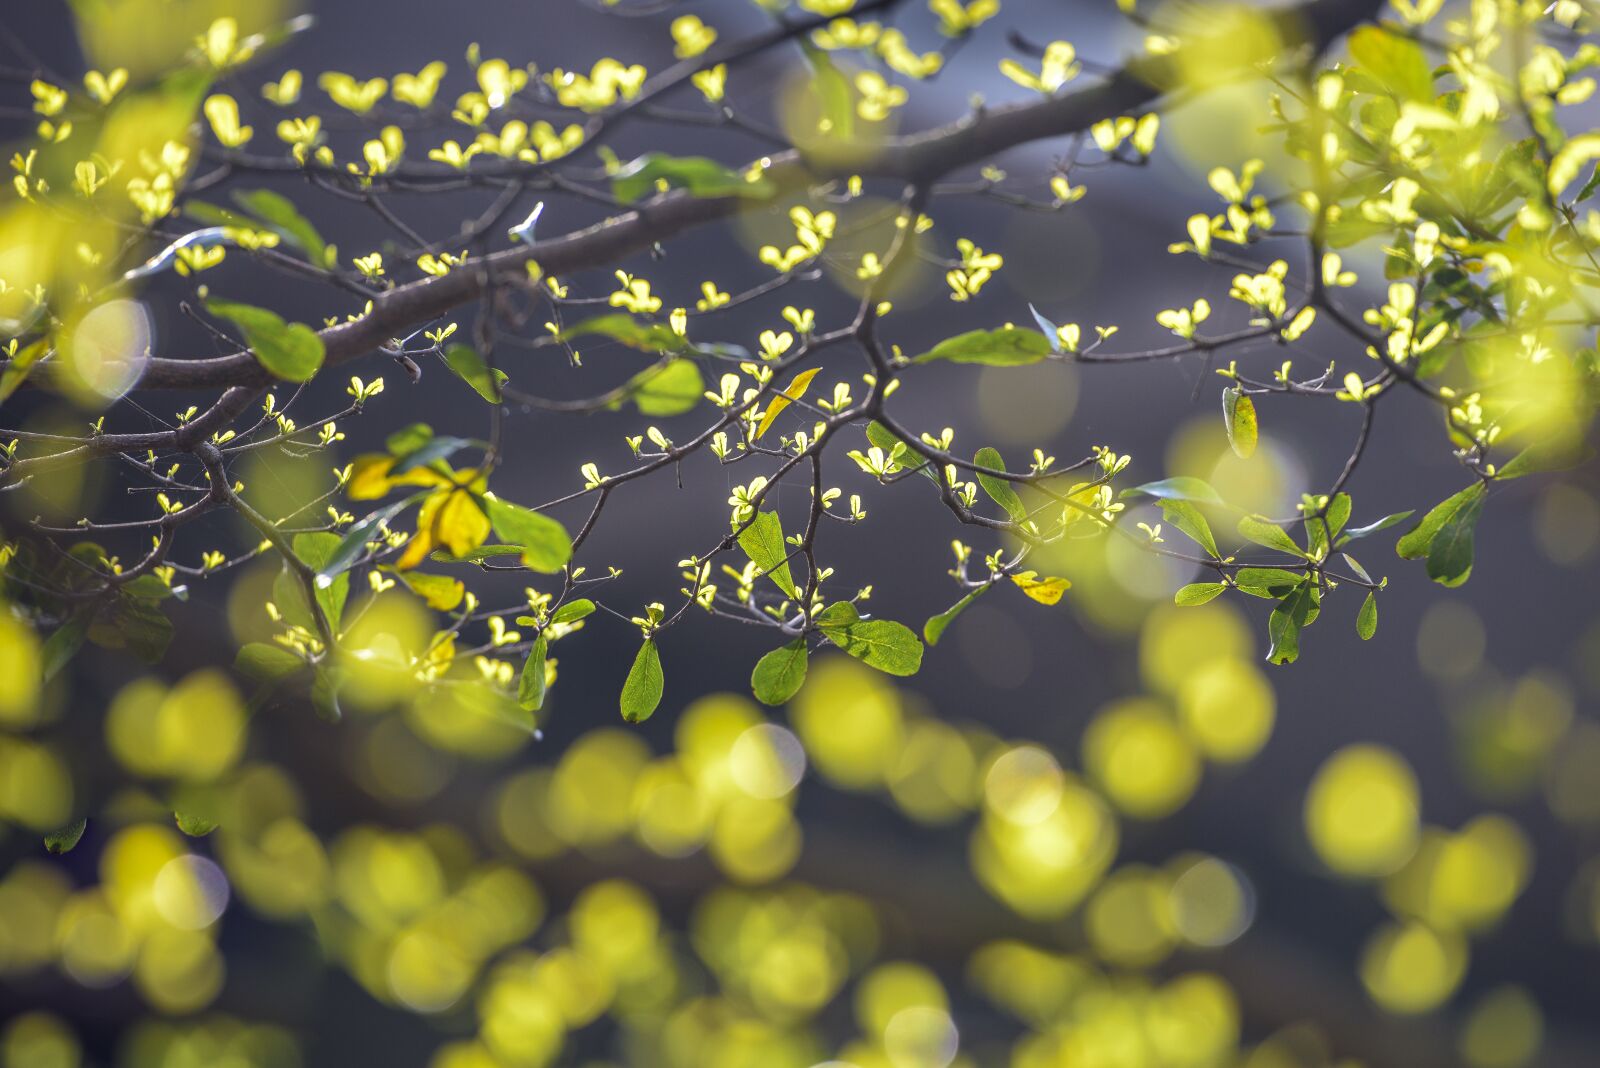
779,675
700,176
291,351
999,490
1010,346
1239,419
641,691
762,541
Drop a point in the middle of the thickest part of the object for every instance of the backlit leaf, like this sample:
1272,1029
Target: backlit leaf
1000,490
762,541
779,675
291,351
1010,346
792,392
641,691
1239,419
545,544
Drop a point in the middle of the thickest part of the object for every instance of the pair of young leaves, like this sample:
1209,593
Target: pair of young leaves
883,644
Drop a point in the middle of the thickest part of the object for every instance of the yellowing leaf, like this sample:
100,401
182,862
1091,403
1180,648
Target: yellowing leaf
1239,419
451,520
792,392
1044,590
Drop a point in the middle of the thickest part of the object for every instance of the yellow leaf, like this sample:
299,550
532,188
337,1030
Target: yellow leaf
1046,590
451,519
370,479
793,392
461,525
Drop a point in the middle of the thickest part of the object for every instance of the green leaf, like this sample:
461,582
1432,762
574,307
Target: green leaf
1286,621
355,539
1270,582
316,550
1178,488
1543,456
1372,528
430,451
879,643
620,326
641,692
835,95
64,643
1338,513
1415,543
1010,346
284,219
1450,553
530,687
1258,530
1355,565
1187,518
194,824
325,687
887,440
20,366
1198,593
1367,619
545,544
778,675
266,663
934,628
476,556
471,369
407,440
572,611
66,838
1397,62
762,541
700,176
672,388
1239,419
291,351
999,489
138,626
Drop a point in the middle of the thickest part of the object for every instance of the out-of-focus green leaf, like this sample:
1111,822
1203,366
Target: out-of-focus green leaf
672,388
545,544
471,369
1177,488
284,219
266,663
291,351
699,176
